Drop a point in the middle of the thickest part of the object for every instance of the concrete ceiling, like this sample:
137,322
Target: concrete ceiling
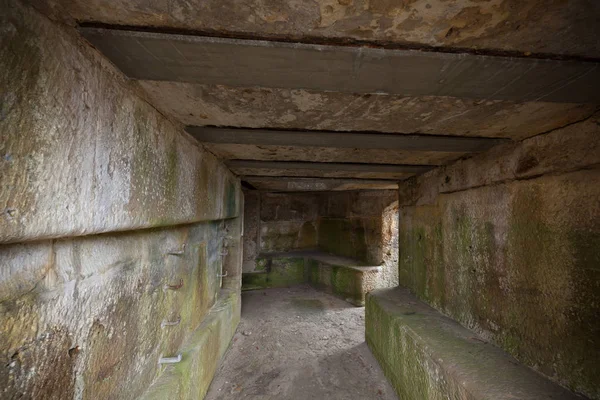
351,94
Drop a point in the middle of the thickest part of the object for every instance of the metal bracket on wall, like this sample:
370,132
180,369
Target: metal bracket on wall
170,323
177,252
174,287
222,275
169,360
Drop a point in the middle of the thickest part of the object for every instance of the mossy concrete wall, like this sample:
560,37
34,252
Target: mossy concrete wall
81,153
359,225
251,229
104,204
273,272
287,222
278,222
508,243
428,356
201,353
349,283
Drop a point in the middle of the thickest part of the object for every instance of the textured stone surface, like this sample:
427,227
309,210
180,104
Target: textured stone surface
302,109
348,69
280,184
288,222
277,222
201,354
271,272
360,225
251,229
426,355
352,225
84,296
507,244
81,154
532,26
347,282
347,278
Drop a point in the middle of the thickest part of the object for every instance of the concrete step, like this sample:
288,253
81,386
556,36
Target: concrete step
428,356
201,354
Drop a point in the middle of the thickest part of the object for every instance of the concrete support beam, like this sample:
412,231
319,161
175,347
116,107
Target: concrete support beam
294,184
351,69
353,140
323,166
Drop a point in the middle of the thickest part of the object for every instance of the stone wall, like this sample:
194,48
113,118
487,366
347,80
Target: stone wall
288,222
278,222
358,224
508,244
112,223
351,223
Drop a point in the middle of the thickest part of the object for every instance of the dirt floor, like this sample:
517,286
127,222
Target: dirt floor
299,343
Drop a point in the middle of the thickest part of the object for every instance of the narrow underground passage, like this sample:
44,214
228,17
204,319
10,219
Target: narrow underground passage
196,194
299,343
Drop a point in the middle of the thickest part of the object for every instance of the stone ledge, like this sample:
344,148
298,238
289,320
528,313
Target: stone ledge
204,349
344,277
426,355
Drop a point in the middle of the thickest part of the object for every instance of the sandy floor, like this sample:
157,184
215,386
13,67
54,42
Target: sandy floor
299,343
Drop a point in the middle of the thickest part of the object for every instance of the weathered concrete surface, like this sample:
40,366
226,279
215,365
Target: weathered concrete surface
284,168
220,105
81,317
249,173
426,355
352,224
358,238
298,344
275,271
278,223
288,222
507,244
533,26
347,278
291,184
81,154
88,316
344,140
356,225
201,354
249,63
330,154
348,282
251,242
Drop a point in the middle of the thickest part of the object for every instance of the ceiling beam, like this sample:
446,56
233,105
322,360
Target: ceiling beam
351,69
317,184
355,140
328,167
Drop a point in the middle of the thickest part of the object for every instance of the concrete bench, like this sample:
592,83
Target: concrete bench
426,355
344,277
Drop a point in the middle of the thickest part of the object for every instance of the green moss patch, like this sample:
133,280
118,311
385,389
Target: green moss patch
275,272
426,355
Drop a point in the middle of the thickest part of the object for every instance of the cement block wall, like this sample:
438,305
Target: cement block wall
97,189
507,243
